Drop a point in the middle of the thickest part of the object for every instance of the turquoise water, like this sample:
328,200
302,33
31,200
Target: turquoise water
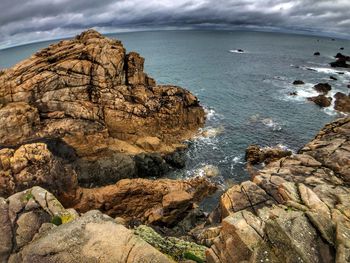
245,94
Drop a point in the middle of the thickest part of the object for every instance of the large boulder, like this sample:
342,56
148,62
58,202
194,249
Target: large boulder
36,228
295,209
92,94
162,201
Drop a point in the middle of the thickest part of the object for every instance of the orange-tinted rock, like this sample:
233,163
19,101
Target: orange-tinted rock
89,91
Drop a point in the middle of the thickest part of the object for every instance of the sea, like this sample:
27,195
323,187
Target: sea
245,94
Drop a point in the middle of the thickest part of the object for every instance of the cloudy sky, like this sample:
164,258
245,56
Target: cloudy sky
24,21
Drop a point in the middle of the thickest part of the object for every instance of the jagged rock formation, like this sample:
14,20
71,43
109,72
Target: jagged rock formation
153,201
96,97
36,228
296,209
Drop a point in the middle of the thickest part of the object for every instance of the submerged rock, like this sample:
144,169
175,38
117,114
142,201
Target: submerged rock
321,100
322,88
255,154
298,82
294,209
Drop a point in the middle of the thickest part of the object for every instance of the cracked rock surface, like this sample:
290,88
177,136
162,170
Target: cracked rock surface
162,201
95,97
296,209
30,232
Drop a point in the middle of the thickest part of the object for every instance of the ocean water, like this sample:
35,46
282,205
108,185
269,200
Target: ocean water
245,94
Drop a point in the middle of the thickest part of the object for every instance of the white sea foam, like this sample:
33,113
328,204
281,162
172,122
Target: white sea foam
237,51
268,122
327,70
210,113
282,147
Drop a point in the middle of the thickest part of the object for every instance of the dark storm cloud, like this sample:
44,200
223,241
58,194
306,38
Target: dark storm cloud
29,20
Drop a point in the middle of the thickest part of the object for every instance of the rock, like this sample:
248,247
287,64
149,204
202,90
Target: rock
22,222
93,95
294,93
150,165
161,201
321,100
333,78
341,48
342,102
19,120
34,165
298,82
341,61
322,88
255,154
317,53
207,171
105,170
178,249
293,209
341,56
176,159
90,238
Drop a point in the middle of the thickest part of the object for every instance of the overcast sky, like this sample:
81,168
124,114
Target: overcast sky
24,21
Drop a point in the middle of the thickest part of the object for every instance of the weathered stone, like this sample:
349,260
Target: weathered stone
321,100
308,220
90,238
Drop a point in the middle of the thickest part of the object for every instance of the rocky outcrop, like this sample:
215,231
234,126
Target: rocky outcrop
94,96
321,100
161,201
153,201
317,53
342,102
295,209
36,228
256,155
341,61
323,88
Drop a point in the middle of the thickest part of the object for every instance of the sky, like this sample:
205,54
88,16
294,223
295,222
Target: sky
23,21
